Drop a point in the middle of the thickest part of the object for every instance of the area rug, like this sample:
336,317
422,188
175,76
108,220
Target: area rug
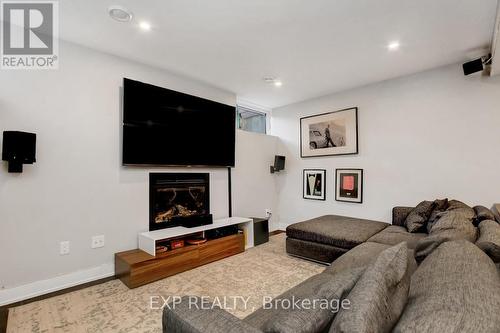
257,274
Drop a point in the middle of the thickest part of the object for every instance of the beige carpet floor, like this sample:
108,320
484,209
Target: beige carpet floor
259,272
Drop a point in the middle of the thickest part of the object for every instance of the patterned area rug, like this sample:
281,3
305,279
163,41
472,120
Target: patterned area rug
263,271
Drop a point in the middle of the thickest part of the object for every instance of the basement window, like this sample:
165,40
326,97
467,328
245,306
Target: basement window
251,120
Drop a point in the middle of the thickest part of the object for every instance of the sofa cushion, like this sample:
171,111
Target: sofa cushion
439,207
416,220
452,225
489,239
455,289
339,231
456,204
188,316
360,256
458,208
394,234
378,298
280,316
456,220
482,214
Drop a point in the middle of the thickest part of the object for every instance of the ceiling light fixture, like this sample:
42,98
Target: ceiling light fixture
393,46
278,83
120,14
145,26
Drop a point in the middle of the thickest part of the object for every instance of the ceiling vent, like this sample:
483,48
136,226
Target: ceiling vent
120,14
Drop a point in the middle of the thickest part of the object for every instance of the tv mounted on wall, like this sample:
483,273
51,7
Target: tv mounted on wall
166,127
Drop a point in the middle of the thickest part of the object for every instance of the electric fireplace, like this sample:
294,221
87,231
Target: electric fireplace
179,199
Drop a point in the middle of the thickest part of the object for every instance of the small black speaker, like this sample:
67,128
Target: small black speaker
473,66
279,164
18,148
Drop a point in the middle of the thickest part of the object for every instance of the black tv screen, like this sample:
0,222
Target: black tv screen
166,127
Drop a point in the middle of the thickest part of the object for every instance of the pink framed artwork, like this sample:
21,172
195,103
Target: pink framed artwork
349,185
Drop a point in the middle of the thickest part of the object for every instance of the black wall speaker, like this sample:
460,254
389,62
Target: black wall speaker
473,66
18,148
279,164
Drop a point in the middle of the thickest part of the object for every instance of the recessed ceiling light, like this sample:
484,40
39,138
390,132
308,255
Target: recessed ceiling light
146,26
273,80
120,14
393,46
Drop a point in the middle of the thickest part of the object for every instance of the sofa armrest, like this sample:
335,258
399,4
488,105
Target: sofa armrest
189,316
399,215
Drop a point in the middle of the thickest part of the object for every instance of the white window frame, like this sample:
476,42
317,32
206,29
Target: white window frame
256,108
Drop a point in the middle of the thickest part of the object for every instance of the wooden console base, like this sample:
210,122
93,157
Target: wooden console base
136,267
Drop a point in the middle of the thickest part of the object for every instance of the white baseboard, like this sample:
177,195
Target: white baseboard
38,288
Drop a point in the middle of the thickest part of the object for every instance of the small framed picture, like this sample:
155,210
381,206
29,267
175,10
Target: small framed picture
314,184
349,185
327,134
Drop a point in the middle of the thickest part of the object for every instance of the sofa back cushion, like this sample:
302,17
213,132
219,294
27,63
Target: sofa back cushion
439,207
453,224
489,239
483,214
417,219
378,298
456,220
281,315
361,256
452,206
455,289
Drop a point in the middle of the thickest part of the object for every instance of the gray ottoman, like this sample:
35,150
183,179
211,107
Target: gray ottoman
327,237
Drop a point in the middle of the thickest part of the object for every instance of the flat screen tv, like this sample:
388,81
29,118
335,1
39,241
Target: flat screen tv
166,127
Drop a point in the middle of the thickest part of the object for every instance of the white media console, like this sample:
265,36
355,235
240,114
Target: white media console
148,240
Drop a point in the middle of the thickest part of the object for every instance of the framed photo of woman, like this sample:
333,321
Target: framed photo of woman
314,184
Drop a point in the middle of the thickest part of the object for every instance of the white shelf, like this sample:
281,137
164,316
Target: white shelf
147,240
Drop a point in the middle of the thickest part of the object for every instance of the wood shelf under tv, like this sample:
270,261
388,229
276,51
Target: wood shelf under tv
149,240
136,267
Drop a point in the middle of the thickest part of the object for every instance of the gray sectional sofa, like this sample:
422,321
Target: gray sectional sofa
454,288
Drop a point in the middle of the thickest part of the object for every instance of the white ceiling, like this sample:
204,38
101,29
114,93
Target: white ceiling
315,47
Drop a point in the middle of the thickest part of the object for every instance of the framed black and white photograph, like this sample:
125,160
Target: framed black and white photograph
333,133
314,184
349,185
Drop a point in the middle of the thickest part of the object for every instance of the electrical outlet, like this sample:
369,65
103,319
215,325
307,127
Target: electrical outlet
64,248
269,212
97,241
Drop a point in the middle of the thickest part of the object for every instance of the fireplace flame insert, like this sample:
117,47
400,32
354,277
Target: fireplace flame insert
179,199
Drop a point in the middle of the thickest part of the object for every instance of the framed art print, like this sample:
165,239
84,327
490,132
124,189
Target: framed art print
349,185
333,133
314,184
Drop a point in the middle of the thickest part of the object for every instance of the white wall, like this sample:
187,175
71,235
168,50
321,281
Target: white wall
78,187
430,135
254,187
